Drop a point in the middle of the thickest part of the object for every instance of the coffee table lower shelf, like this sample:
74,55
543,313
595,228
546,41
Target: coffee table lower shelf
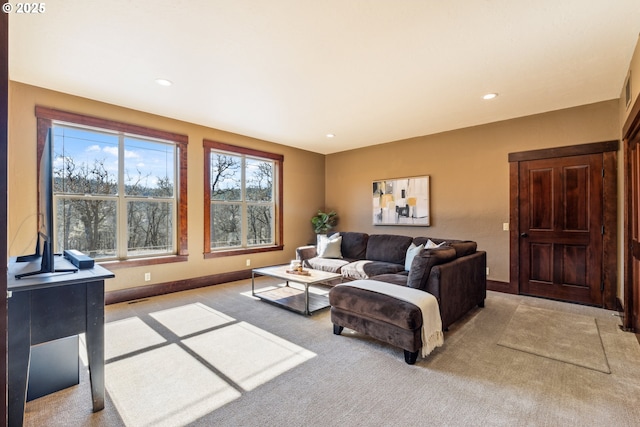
293,299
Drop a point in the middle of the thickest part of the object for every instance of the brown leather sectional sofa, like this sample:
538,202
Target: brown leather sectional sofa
455,273
458,282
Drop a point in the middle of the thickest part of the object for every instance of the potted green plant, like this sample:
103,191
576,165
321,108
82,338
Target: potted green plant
324,221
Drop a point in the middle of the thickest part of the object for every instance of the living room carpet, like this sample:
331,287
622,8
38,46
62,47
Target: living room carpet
212,357
565,337
218,357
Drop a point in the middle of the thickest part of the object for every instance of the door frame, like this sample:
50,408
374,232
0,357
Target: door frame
630,130
4,144
609,151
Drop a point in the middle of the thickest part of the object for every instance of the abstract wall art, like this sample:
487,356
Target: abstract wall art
401,201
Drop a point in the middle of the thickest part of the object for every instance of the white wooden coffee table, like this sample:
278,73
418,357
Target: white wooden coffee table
292,297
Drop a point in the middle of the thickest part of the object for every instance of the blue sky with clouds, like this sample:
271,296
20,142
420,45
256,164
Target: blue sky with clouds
85,146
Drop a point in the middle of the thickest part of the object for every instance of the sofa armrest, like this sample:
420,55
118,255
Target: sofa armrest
306,252
459,285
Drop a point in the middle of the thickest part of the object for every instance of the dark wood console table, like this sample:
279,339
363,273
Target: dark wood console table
47,307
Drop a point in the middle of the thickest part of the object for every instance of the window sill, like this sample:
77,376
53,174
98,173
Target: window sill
139,262
243,251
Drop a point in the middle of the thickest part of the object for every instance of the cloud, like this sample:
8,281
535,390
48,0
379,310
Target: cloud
111,150
127,153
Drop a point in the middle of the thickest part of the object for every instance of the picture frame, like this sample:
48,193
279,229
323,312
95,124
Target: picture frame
401,201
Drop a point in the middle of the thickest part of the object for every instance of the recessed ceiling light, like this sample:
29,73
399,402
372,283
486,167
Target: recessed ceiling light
331,135
164,82
490,96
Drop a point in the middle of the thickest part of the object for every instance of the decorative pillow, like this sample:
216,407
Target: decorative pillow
424,261
431,245
332,248
322,240
411,253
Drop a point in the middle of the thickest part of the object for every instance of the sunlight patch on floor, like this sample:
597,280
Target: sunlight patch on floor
127,336
191,318
165,387
248,355
167,379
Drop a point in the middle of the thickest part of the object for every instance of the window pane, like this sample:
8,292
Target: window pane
85,161
259,176
88,226
259,218
226,177
226,228
148,168
150,227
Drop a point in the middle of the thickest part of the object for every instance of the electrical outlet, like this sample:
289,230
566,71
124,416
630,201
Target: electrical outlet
147,277
505,226
487,271
248,262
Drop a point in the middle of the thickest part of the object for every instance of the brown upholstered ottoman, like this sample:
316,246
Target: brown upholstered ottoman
380,316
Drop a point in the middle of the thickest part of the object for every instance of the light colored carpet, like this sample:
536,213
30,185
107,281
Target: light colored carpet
217,357
565,337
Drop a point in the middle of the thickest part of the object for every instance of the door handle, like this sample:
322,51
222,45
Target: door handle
524,235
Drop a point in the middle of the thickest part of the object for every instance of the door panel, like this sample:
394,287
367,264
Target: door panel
576,208
574,262
560,221
541,262
541,214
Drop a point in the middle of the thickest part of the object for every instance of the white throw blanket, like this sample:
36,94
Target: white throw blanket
432,335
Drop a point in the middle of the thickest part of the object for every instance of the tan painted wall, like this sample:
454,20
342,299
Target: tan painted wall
469,173
303,185
468,168
634,69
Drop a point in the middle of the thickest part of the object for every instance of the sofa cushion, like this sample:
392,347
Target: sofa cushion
354,245
424,261
388,248
365,269
375,305
395,278
464,247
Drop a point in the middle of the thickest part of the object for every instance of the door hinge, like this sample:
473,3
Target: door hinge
603,172
602,230
601,286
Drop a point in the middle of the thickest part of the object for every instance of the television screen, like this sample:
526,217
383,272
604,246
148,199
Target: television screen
45,203
44,241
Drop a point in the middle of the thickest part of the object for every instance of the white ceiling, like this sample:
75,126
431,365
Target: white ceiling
291,71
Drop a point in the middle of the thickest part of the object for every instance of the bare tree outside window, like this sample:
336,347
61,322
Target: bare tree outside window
259,190
100,204
242,201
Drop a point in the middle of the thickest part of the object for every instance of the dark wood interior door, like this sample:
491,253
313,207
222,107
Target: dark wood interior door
632,309
561,227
